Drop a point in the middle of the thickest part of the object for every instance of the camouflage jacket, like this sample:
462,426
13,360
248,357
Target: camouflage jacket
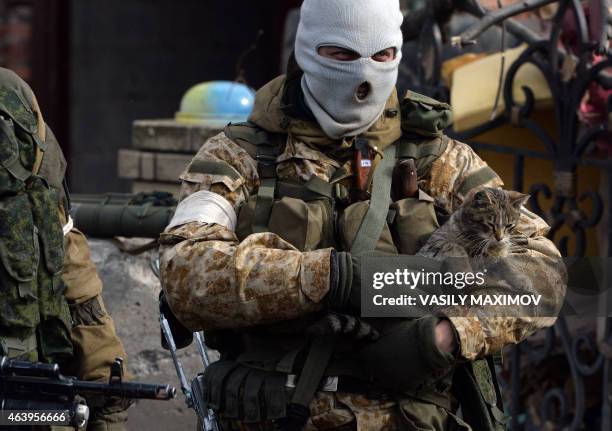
92,334
214,281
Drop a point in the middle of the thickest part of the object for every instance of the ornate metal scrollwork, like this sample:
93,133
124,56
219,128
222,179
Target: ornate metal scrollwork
570,72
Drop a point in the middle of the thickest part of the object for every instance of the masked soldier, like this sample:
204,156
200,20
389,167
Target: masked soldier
51,309
264,250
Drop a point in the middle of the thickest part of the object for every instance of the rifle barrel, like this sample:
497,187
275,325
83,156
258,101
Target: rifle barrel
28,369
126,390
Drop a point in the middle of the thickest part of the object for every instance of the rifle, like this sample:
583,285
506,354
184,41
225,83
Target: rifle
172,331
30,386
193,394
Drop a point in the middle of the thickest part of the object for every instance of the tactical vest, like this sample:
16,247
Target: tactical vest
34,316
311,215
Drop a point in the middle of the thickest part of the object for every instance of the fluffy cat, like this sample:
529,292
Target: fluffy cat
482,227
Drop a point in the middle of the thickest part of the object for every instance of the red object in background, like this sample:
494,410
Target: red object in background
594,107
594,110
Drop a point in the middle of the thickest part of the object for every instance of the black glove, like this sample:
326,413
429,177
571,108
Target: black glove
183,337
334,323
345,280
406,357
342,281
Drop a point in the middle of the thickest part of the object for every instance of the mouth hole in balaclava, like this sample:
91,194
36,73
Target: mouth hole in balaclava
363,91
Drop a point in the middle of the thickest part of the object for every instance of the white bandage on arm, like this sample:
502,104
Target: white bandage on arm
68,226
204,207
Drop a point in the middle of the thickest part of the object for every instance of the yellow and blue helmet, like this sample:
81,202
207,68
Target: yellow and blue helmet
216,103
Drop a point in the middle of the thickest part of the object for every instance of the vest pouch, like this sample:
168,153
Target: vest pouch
415,221
418,415
54,335
18,263
243,393
14,151
305,225
349,223
18,242
45,204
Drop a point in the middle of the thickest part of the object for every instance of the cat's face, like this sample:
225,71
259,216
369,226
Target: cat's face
490,216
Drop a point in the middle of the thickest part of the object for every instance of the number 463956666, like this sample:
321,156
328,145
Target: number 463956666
35,417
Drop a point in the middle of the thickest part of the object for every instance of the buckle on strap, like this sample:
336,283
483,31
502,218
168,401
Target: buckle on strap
328,384
266,165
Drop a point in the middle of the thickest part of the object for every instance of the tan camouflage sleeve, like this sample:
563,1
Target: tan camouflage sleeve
214,281
449,172
481,334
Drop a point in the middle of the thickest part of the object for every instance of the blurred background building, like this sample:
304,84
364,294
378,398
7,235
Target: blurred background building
98,66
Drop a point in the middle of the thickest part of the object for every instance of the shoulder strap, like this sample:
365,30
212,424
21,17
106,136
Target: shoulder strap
250,136
265,148
318,357
374,221
423,150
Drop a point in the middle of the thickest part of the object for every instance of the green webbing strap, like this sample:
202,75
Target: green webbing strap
418,150
210,167
320,187
478,178
247,136
374,221
267,153
248,132
312,190
265,148
263,205
318,357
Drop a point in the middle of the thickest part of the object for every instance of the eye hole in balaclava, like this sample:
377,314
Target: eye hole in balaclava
344,54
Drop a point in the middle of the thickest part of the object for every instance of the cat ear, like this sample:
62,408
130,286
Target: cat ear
518,199
480,198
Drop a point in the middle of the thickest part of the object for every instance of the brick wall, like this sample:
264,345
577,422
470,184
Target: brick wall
16,37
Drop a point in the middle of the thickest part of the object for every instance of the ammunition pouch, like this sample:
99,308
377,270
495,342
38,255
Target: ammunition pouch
245,393
301,213
416,415
414,220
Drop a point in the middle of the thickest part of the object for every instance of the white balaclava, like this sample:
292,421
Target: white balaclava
330,86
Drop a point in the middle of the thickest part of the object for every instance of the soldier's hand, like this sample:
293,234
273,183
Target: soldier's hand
518,244
345,280
446,341
343,324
